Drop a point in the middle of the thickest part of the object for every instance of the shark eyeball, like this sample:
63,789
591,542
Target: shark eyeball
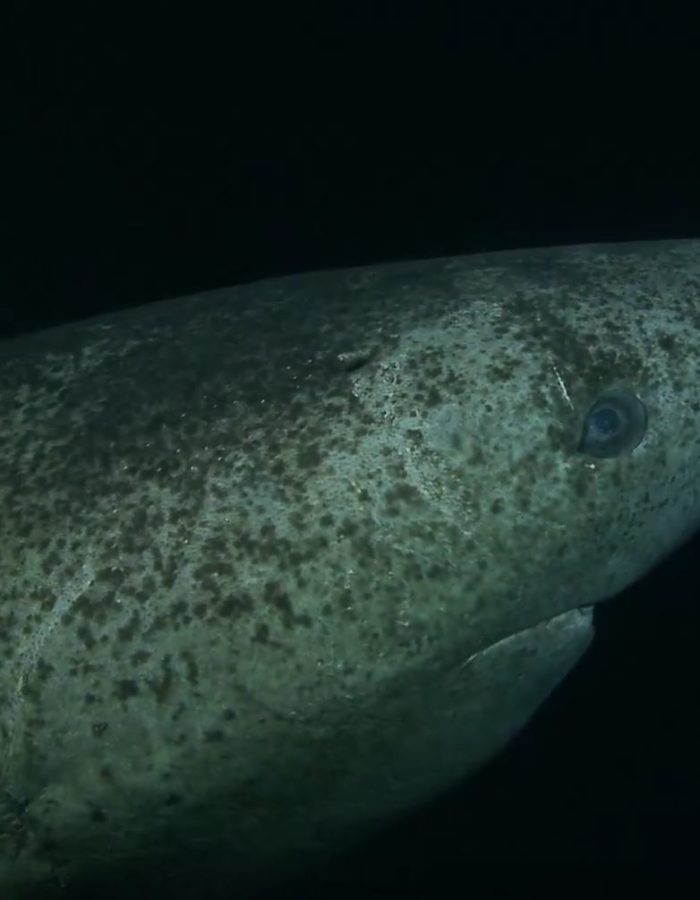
614,425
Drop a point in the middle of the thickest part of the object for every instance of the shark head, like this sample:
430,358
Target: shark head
284,560
546,404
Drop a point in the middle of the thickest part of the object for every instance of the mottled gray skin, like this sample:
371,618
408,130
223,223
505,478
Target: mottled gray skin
282,560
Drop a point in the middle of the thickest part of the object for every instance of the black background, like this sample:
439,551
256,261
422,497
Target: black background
172,150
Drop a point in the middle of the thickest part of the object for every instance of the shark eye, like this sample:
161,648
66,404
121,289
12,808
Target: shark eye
614,425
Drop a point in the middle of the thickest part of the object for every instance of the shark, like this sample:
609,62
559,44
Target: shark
283,561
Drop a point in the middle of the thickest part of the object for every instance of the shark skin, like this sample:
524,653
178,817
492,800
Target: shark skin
282,561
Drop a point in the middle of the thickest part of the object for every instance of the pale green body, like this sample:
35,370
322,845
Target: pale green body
282,560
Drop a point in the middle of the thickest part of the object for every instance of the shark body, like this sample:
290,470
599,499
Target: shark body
284,560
